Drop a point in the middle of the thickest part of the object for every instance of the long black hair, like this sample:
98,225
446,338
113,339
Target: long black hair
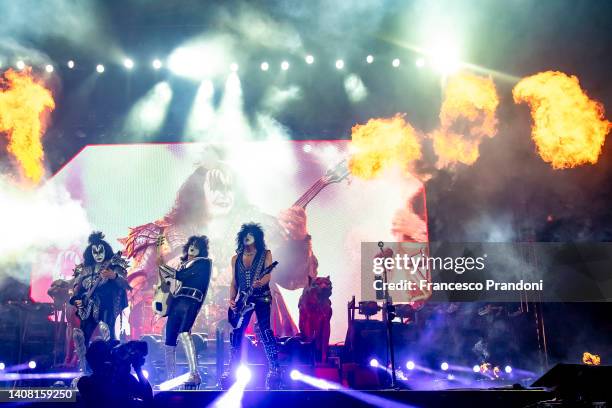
96,238
201,242
258,234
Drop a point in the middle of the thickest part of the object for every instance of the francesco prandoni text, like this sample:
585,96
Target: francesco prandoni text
489,284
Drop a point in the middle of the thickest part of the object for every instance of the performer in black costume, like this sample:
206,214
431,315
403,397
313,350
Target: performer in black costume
194,275
251,258
108,300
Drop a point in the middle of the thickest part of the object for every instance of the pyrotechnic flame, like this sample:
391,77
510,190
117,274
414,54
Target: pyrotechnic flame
23,100
383,143
467,117
569,129
591,359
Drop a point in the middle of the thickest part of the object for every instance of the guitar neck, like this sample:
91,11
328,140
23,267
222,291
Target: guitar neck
311,193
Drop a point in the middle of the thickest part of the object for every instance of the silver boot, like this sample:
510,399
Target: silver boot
170,358
192,359
105,331
80,349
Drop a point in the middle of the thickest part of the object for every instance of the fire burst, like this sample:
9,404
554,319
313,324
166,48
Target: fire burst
382,143
22,102
569,129
591,359
467,117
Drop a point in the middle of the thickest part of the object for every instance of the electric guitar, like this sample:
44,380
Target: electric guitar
333,175
166,286
84,311
236,316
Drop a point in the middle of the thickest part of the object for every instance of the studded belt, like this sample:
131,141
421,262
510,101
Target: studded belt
192,293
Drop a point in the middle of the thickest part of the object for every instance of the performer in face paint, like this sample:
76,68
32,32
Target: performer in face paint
99,293
194,274
251,258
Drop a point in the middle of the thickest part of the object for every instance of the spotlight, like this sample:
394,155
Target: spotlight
32,364
395,63
309,59
410,365
307,148
444,366
508,369
339,64
284,65
476,368
49,68
70,64
157,64
264,66
374,363
243,374
128,63
369,59
20,65
233,67
100,68
420,62
294,374
2,366
444,55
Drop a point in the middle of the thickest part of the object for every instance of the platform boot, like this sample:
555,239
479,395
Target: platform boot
81,350
228,377
194,380
170,359
273,379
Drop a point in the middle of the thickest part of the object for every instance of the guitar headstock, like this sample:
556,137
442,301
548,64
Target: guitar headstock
337,173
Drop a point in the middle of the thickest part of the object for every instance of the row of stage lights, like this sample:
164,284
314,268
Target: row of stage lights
157,64
444,366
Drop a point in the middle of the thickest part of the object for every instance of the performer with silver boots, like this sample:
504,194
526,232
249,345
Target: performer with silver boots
193,275
99,293
250,292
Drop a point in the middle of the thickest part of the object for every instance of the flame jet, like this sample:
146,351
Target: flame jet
569,129
23,100
467,116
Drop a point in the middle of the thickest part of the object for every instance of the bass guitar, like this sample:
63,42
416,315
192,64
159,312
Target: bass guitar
236,316
86,298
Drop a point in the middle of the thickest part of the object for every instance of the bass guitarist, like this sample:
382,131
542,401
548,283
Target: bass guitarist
99,293
248,266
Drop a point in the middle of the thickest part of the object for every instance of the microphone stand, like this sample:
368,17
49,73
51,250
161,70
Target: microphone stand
388,305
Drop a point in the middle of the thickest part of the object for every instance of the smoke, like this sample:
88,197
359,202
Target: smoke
33,221
81,24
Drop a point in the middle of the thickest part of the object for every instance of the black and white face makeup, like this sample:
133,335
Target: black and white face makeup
249,239
193,251
98,253
218,192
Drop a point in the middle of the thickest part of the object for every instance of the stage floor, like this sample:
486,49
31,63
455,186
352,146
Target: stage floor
347,398
354,398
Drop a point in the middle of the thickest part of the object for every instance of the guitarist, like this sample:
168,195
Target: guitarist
194,274
251,258
100,264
